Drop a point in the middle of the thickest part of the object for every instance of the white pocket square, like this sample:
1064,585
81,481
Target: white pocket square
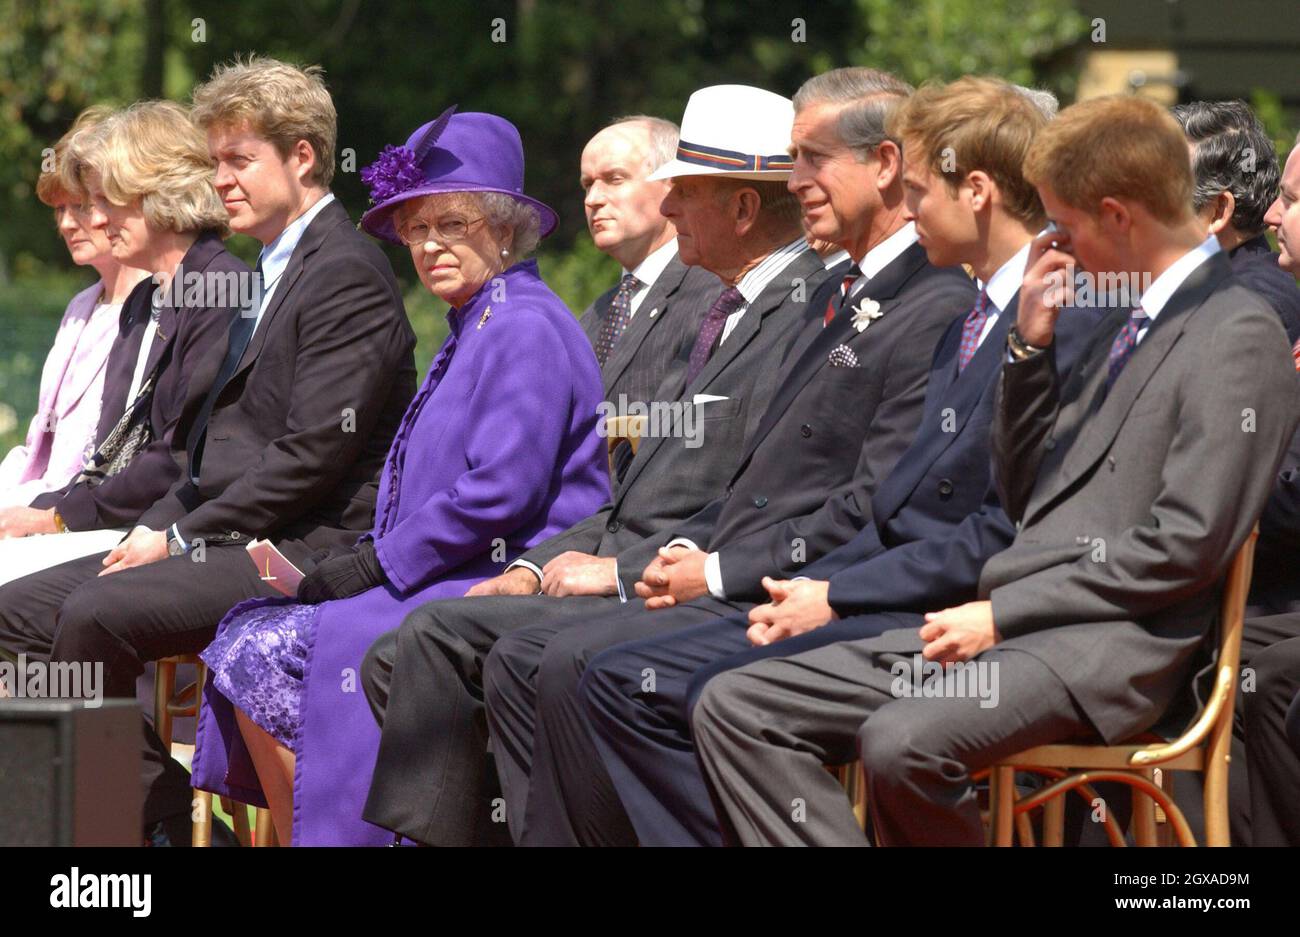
842,356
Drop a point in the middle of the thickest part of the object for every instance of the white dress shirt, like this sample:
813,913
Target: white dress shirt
875,260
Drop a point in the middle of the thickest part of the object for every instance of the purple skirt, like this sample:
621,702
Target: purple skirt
257,663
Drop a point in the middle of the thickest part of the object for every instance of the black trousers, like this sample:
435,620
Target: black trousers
433,778
1267,712
547,759
68,613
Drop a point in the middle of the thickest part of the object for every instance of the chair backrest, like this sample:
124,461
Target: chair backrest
620,429
1214,725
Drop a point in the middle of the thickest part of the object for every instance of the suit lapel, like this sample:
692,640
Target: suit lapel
771,299
330,216
647,316
883,288
196,260
960,394
1103,417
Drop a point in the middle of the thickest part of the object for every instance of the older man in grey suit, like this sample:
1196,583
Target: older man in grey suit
1132,484
424,681
639,325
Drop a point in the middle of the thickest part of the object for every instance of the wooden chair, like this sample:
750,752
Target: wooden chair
619,429
1204,747
169,704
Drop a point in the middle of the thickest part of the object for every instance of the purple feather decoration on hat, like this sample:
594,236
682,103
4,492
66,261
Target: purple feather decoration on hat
397,168
433,133
394,172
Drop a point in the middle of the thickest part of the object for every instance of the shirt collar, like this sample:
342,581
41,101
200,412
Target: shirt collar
1003,286
275,256
888,250
648,270
1164,286
832,261
765,271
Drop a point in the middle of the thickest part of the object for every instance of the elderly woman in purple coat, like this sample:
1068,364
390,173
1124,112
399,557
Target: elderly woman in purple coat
498,451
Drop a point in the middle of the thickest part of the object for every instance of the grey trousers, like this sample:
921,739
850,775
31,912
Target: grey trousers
765,731
433,780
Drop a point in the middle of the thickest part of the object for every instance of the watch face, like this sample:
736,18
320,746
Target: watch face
174,546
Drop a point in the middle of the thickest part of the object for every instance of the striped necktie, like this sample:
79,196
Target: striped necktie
836,303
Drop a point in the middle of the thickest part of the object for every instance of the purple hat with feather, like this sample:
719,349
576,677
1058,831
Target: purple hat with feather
456,153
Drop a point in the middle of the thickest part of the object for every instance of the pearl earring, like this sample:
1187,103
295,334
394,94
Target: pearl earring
504,252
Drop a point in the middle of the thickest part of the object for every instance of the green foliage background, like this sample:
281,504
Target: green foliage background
565,68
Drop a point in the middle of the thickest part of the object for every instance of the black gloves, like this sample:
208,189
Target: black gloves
341,576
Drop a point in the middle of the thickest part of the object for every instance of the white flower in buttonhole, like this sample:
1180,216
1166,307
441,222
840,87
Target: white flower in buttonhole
865,313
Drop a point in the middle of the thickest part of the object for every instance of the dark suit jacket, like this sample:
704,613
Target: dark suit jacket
188,339
1275,582
1137,498
936,518
668,317
298,435
805,481
1255,264
674,475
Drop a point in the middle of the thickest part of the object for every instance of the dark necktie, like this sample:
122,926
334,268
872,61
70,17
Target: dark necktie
241,333
836,303
970,331
1122,348
620,314
711,328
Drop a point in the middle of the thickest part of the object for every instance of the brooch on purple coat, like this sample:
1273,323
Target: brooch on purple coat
482,321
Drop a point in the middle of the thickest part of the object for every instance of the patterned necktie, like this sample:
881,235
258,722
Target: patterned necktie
971,331
1295,353
241,333
836,303
711,328
1124,343
620,313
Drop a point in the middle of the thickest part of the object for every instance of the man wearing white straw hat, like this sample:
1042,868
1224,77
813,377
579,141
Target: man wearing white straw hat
850,401
734,217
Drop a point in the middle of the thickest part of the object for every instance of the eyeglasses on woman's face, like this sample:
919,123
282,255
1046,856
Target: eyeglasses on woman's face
449,229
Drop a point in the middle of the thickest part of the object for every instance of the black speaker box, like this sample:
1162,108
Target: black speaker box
69,773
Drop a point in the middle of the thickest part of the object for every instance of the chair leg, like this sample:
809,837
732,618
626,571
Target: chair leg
1054,822
164,685
264,830
1217,830
238,820
1002,792
202,817
201,805
858,787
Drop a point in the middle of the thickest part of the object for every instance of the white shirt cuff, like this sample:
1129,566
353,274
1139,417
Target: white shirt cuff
683,542
618,581
713,576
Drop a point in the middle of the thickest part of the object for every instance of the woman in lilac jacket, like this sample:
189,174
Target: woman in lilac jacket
498,451
62,434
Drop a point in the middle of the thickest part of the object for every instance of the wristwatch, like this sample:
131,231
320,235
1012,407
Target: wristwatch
175,545
59,524
1021,349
